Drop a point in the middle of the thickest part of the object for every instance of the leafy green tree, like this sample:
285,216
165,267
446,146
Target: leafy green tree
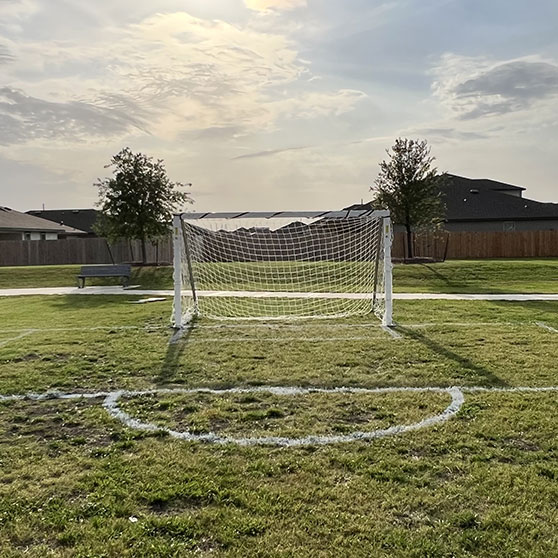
410,187
138,201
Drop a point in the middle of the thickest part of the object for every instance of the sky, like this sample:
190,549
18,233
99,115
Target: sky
273,104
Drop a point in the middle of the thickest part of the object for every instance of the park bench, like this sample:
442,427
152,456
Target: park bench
122,271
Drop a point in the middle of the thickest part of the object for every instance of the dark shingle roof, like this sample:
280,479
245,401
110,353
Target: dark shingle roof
481,199
82,219
486,200
12,220
484,183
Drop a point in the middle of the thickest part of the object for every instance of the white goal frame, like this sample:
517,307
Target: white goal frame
182,254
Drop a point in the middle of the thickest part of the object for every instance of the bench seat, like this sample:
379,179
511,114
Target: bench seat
122,270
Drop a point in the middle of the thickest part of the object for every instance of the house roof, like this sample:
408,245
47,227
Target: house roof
82,219
483,183
15,221
486,200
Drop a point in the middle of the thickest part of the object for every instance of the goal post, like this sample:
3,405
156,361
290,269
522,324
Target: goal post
282,265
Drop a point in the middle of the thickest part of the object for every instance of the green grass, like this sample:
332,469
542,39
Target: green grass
453,276
75,482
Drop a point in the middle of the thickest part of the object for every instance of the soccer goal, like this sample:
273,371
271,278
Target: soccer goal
284,265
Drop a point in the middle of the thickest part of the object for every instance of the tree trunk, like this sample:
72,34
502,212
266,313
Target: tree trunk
410,251
143,251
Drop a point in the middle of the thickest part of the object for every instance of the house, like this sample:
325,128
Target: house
82,219
489,205
21,226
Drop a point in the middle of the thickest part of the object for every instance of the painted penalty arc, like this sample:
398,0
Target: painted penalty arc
457,399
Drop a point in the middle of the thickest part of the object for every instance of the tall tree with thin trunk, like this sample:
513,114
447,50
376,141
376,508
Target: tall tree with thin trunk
138,201
410,187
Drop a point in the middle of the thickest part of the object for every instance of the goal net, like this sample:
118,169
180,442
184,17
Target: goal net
283,265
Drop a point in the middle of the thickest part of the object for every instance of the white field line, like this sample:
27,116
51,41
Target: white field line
326,339
316,324
518,389
111,399
547,327
274,326
269,294
457,400
458,296
84,328
25,333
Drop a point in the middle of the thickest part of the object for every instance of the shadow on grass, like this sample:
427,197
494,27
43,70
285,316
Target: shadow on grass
530,310
448,282
177,344
151,277
83,302
76,302
476,372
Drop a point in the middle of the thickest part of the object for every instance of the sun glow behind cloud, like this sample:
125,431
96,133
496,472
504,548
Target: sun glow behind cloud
273,102
263,5
168,74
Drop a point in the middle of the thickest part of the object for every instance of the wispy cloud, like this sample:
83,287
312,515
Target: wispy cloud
24,118
476,87
5,55
446,134
186,73
269,152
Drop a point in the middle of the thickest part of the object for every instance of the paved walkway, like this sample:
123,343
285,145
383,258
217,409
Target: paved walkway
158,292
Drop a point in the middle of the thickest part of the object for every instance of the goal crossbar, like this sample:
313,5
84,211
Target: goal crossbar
348,213
282,265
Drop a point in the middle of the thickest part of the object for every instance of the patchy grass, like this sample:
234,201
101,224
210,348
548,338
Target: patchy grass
74,482
453,276
253,415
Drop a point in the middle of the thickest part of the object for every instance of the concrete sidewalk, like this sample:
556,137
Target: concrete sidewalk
160,292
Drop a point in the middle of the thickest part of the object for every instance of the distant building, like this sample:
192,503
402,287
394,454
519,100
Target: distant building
21,226
489,205
82,219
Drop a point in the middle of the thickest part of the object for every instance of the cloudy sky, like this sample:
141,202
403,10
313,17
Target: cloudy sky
273,104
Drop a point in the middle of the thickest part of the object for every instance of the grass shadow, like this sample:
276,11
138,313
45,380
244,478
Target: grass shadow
443,278
176,346
476,371
530,310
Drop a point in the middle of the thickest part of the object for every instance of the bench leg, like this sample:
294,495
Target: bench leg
81,282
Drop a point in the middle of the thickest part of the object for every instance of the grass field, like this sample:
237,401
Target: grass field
453,276
75,481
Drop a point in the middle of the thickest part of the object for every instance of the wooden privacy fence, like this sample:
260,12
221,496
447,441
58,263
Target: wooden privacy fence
81,251
453,245
479,245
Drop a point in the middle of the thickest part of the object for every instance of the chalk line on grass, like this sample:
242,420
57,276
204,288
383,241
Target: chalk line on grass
111,399
23,334
457,400
547,327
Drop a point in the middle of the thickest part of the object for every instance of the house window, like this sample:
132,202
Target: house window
26,236
43,236
509,226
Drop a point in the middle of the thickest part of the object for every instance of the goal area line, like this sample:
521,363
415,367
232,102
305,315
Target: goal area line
283,294
111,405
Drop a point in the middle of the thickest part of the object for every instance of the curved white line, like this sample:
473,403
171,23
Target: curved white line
457,399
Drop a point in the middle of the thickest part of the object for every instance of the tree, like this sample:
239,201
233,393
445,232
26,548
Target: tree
410,187
138,201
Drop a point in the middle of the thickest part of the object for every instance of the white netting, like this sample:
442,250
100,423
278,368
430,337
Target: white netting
248,268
